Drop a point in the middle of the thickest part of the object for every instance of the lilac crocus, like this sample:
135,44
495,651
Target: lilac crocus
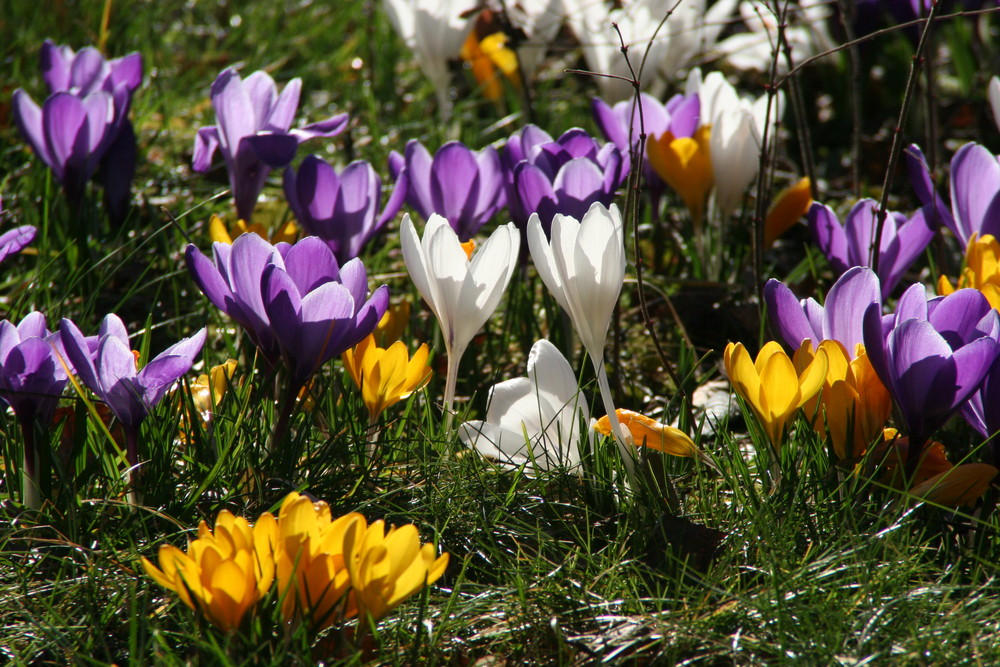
931,355
982,410
111,373
461,185
975,193
342,209
841,319
847,245
566,175
253,132
82,130
15,240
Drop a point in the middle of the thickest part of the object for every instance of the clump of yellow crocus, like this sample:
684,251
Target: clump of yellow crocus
685,164
224,572
217,231
386,376
647,432
771,385
388,567
854,401
981,272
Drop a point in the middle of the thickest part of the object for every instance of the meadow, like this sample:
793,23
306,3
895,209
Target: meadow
739,513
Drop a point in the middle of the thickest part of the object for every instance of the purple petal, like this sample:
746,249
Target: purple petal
419,165
274,150
233,111
686,117
330,127
15,240
127,70
79,354
454,183
975,182
846,304
957,316
56,63
28,117
205,143
310,263
787,315
88,71
912,304
116,372
829,236
282,110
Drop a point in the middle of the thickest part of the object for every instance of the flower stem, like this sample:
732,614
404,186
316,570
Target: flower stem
29,474
132,458
454,359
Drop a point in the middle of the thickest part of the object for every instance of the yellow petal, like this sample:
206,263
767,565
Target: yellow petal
791,204
217,231
961,485
648,432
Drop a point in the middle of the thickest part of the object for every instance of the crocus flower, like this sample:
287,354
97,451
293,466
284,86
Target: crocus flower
771,385
342,209
932,355
225,572
975,193
111,373
463,186
583,267
435,31
788,208
645,431
15,240
217,231
388,567
84,71
842,319
981,271
982,410
534,422
855,403
803,32
903,240
310,562
960,485
463,292
386,376
544,176
685,164
253,132
488,58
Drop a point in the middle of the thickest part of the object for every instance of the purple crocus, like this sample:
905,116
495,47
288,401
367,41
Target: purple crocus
931,355
847,245
15,240
294,301
975,193
566,175
253,132
841,319
462,185
982,410
342,209
82,130
111,373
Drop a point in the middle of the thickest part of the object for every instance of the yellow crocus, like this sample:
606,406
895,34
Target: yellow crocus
209,388
486,57
790,205
218,232
388,567
854,401
386,376
960,485
647,432
311,570
771,385
685,164
224,572
981,271
393,323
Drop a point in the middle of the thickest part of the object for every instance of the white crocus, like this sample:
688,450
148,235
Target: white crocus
735,150
584,269
805,33
435,31
462,293
535,421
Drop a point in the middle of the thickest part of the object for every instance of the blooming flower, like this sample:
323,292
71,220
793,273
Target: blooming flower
435,31
932,355
225,572
388,567
544,176
855,403
771,385
841,320
685,164
533,422
253,132
386,376
488,58
975,193
903,240
789,206
981,271
111,373
459,184
647,432
463,292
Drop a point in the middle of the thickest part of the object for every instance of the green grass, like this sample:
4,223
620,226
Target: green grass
688,566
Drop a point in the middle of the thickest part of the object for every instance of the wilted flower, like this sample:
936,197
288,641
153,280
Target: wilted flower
388,567
217,231
463,186
224,573
771,385
253,132
932,355
463,292
959,485
534,422
981,271
386,376
566,176
903,240
645,431
342,209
